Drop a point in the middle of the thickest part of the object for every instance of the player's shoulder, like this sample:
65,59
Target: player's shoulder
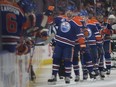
78,17
12,4
77,21
90,21
6,3
61,16
94,20
18,7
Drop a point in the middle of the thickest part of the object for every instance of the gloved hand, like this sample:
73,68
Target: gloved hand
43,34
106,31
53,42
49,11
22,49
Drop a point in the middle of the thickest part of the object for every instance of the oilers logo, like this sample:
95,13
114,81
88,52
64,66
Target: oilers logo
87,33
65,27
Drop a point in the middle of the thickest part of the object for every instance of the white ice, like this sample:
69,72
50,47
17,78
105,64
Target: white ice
41,81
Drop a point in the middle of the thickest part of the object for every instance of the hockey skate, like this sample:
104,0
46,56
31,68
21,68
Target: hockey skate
92,75
67,80
85,77
108,72
61,77
53,80
77,78
71,77
96,73
102,74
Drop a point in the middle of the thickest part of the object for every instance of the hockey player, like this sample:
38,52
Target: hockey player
86,58
107,45
40,30
76,58
12,20
92,35
75,62
68,31
23,47
99,44
107,31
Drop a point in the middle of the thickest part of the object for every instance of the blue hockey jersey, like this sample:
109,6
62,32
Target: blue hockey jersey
98,26
12,19
108,32
68,31
91,33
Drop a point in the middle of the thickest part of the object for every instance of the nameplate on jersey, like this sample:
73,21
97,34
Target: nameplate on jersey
65,27
9,8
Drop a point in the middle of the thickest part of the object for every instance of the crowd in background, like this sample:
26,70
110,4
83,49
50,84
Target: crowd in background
100,7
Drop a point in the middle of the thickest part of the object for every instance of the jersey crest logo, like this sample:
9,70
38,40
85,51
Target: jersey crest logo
87,33
65,27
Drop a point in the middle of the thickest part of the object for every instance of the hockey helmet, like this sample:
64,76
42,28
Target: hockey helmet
111,17
26,5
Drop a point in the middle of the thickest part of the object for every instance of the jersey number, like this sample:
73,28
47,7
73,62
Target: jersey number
11,23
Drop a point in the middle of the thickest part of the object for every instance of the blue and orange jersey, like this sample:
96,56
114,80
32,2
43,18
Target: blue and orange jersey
91,32
81,40
107,31
78,18
11,23
68,31
98,25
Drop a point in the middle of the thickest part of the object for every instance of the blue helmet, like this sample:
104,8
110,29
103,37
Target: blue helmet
27,5
83,13
71,7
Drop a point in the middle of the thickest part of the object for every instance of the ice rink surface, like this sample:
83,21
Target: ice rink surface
41,81
109,81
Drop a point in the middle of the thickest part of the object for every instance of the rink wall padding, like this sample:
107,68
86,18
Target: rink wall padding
13,69
47,61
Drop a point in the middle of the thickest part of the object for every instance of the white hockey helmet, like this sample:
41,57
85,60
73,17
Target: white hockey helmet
111,17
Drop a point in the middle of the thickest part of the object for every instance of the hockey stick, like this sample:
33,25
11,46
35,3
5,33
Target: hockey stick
30,67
